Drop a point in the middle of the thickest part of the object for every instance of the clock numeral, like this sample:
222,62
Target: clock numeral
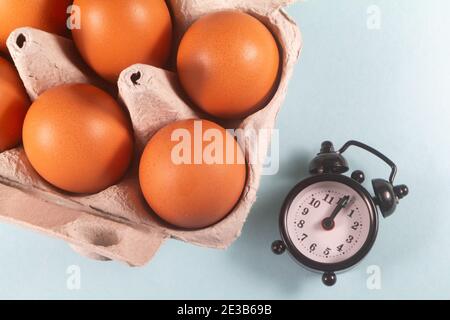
349,239
339,248
355,225
304,236
328,199
327,251
301,224
351,213
305,211
315,203
313,247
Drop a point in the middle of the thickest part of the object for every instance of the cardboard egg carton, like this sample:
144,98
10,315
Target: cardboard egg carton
117,223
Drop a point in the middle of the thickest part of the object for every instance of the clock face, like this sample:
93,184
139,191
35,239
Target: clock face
329,223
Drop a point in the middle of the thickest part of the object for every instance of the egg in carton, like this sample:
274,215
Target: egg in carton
117,223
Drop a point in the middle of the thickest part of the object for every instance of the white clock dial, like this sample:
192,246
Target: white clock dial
316,203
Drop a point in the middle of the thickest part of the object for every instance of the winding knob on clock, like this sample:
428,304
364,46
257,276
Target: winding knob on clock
401,191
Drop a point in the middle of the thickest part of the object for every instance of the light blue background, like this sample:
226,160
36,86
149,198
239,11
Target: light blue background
389,88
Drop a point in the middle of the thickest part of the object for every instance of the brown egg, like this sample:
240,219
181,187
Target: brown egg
116,34
188,180
47,15
14,104
78,138
228,64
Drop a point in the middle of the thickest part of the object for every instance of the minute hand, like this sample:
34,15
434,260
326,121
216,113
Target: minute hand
328,223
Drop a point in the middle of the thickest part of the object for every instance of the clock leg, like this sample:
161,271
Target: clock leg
278,247
329,279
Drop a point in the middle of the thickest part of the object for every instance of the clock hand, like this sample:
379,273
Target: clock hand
328,223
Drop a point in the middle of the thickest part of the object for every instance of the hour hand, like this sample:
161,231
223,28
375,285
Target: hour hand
328,223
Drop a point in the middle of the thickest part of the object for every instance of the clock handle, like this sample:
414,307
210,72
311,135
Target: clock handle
374,152
386,194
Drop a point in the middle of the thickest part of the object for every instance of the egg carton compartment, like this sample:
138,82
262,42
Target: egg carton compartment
117,223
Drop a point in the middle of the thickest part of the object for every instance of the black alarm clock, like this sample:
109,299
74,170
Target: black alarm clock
329,222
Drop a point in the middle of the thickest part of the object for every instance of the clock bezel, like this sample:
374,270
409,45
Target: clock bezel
354,259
